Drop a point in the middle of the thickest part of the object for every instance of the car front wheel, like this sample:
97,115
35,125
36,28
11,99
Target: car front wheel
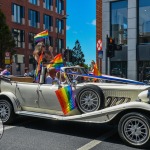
134,129
6,112
89,98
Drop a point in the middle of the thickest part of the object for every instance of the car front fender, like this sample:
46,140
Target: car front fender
12,98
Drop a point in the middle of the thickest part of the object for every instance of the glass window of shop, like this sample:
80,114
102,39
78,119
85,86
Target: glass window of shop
119,69
118,21
143,48
144,22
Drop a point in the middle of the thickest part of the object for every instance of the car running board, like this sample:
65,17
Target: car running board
103,115
40,115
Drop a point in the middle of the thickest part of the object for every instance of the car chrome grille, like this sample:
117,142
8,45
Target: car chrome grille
114,97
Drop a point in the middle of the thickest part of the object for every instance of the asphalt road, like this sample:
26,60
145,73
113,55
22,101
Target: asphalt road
40,134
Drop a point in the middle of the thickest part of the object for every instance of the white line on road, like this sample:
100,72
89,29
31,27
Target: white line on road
97,141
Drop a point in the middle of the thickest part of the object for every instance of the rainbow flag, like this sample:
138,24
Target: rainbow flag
66,99
40,36
38,69
57,62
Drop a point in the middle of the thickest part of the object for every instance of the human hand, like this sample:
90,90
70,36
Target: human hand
50,49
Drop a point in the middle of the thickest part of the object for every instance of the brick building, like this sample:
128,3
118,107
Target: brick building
128,22
29,17
98,28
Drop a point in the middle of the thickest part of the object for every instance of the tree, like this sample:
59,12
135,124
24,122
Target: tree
7,43
78,56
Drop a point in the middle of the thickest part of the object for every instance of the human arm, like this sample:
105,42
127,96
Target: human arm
51,51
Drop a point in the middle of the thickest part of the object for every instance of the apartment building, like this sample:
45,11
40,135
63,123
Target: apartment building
29,17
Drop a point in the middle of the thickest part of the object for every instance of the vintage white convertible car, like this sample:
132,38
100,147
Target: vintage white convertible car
126,104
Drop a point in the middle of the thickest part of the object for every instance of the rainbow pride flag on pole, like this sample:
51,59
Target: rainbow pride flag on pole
40,36
66,99
57,62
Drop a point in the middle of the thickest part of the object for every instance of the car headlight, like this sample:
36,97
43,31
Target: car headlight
145,96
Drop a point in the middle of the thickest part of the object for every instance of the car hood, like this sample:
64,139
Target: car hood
117,86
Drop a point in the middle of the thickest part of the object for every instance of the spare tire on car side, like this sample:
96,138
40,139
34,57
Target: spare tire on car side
89,98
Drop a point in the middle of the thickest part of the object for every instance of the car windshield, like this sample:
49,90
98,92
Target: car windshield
74,71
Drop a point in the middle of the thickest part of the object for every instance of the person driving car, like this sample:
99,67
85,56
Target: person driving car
51,76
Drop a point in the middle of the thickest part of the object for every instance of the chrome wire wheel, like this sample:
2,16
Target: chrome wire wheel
134,129
4,111
89,101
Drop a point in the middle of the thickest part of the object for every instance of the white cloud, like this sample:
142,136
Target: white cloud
94,22
68,27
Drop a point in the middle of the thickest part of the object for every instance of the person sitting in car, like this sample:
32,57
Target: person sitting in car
51,76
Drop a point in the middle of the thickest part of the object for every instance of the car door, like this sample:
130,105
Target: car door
27,94
47,97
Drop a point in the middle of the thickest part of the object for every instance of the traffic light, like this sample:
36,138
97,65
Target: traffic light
110,47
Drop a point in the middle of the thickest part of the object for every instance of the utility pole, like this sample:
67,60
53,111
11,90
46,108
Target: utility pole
106,63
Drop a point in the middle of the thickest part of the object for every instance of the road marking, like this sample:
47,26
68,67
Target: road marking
96,141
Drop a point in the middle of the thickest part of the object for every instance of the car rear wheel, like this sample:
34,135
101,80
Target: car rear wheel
89,98
134,129
6,112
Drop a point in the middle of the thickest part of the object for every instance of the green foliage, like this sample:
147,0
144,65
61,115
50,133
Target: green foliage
7,42
78,56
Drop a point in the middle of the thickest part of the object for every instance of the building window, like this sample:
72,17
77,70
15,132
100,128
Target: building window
144,21
59,25
35,2
51,40
47,21
19,37
17,13
34,18
118,22
60,6
48,4
60,45
119,69
31,40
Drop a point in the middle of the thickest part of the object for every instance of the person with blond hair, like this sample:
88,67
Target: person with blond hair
38,50
38,55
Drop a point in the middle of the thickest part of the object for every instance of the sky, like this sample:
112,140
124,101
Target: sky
81,26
